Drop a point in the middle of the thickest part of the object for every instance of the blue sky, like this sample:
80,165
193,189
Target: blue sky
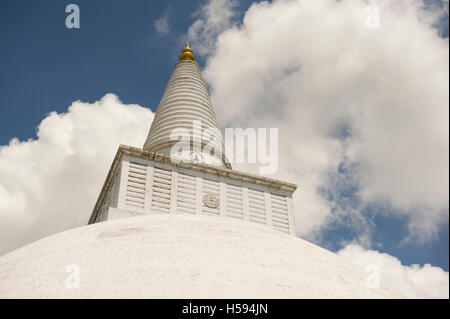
45,67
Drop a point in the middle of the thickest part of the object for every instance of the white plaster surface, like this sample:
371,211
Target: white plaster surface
181,256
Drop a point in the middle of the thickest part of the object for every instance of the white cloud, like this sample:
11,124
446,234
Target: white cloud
162,24
413,281
375,100
213,18
51,183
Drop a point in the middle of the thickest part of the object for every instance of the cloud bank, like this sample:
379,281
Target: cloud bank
362,110
412,281
51,183
212,18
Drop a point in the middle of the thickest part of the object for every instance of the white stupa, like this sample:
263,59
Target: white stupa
183,225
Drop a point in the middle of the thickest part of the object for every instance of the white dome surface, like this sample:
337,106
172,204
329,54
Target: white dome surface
181,256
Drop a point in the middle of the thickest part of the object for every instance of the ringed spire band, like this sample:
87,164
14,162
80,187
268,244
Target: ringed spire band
185,104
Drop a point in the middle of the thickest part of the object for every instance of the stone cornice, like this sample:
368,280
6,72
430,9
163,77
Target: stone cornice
135,152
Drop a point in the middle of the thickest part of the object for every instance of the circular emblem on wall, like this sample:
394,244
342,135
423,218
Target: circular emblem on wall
211,201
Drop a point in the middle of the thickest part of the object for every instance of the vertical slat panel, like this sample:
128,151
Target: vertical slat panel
279,210
161,190
136,184
186,194
234,202
257,206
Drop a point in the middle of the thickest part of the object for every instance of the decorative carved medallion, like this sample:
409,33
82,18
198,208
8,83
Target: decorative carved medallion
211,201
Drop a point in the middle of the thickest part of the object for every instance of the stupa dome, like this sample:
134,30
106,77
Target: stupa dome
180,256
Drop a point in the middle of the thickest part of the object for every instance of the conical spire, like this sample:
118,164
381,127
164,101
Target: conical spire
185,116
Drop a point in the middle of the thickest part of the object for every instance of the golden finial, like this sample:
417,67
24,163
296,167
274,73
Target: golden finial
187,53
